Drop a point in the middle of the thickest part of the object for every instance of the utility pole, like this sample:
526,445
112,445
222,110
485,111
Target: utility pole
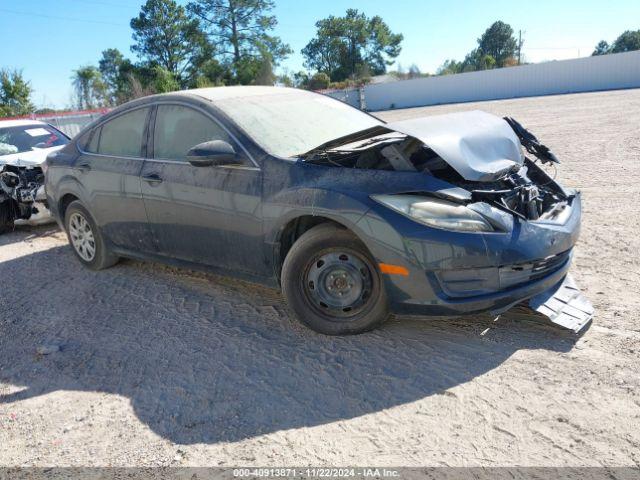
520,43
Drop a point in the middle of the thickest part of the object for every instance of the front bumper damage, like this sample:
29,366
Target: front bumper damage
476,160
564,305
22,196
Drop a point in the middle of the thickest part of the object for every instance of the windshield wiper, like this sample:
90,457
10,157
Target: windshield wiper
350,138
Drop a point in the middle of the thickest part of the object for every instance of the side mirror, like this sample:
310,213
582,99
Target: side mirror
214,153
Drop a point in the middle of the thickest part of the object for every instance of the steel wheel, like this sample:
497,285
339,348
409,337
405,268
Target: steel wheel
338,284
82,237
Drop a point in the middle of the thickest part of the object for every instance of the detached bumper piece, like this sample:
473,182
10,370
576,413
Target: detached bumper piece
564,305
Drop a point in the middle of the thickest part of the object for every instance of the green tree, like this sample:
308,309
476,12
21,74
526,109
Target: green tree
241,30
496,49
128,74
301,79
345,45
164,35
90,89
109,66
603,48
326,53
477,60
319,81
15,94
414,71
449,67
627,42
163,80
285,79
498,42
265,75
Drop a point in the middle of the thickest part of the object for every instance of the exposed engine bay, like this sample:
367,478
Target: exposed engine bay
22,195
516,184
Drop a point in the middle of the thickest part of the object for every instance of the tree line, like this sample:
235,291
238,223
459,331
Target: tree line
231,42
497,48
627,42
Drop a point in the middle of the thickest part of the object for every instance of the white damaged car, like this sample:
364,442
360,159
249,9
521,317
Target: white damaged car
24,146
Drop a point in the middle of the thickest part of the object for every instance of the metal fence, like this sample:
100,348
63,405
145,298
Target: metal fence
606,72
68,122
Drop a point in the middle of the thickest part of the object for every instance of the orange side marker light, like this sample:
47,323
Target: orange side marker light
393,269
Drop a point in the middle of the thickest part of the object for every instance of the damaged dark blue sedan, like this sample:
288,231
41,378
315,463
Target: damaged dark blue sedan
352,217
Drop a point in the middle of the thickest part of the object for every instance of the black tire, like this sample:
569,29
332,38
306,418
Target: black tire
101,258
6,216
328,252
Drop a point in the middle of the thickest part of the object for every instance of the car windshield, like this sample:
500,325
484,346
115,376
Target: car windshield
293,122
25,138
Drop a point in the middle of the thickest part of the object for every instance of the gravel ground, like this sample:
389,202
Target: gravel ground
144,364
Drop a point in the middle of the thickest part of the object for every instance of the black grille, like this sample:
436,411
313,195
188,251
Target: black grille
549,265
512,275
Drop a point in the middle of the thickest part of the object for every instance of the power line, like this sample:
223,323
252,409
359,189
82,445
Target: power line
68,19
555,48
108,4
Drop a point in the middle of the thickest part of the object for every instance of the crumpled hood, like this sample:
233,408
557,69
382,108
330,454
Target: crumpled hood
28,159
478,145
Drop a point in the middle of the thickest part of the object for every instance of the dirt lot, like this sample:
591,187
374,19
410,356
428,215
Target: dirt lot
149,365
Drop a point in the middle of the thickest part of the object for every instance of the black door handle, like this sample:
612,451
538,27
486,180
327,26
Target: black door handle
152,178
83,167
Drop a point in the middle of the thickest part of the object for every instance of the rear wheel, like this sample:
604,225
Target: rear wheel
85,238
331,283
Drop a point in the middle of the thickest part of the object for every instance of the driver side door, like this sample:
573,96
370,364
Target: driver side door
210,215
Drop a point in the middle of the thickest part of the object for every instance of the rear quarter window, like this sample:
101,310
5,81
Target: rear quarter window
94,141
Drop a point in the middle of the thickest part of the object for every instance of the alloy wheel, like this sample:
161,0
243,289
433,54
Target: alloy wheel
82,237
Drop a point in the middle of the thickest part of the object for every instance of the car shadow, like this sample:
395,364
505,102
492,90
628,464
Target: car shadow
206,359
25,233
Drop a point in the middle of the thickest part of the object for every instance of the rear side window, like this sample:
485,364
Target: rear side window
122,136
179,128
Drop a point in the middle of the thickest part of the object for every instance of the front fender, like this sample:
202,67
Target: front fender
288,205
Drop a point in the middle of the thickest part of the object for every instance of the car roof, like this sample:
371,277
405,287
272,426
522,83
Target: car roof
214,94
20,123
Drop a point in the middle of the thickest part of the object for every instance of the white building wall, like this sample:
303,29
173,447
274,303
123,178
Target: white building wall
606,72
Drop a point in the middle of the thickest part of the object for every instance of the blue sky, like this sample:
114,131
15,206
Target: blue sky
48,40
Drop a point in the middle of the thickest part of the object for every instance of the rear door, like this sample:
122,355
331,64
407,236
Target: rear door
109,170
210,215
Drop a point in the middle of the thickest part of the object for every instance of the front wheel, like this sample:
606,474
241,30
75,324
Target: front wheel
331,283
85,238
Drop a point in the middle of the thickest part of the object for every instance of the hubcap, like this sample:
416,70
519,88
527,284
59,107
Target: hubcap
82,237
338,283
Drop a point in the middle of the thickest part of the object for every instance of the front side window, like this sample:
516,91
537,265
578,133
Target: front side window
123,135
179,128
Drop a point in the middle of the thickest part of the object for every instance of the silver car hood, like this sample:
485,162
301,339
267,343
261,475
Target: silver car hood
479,146
31,158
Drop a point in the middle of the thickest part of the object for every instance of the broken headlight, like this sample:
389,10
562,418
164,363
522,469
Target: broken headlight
436,213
